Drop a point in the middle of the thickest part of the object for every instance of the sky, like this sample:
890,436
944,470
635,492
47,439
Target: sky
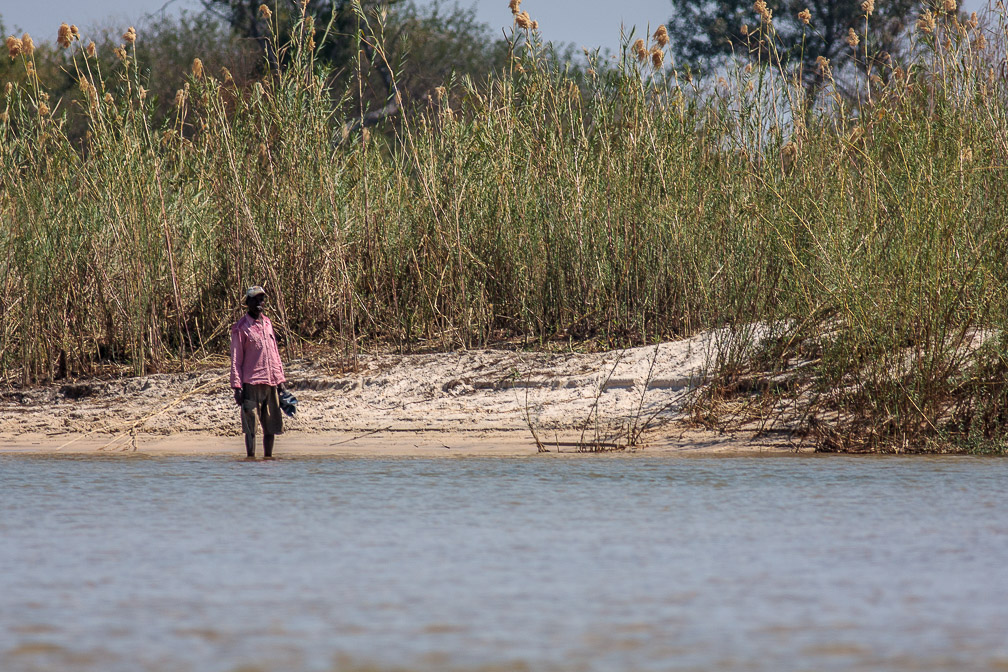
585,23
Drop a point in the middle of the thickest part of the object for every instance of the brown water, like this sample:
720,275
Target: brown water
602,563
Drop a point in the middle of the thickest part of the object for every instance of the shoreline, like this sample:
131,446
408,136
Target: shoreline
380,444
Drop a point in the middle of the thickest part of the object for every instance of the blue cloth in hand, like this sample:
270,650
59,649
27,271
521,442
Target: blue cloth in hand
288,403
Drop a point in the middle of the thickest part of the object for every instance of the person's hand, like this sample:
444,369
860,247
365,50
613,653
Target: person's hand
238,396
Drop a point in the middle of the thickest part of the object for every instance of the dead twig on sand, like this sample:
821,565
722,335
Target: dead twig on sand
361,436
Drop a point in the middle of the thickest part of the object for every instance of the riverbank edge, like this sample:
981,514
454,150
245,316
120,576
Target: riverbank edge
382,444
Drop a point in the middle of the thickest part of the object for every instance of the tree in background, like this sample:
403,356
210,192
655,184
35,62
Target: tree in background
707,33
424,45
439,41
166,49
335,19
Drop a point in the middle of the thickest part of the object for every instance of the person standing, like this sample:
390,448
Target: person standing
257,375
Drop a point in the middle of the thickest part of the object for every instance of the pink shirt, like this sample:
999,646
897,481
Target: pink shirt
255,358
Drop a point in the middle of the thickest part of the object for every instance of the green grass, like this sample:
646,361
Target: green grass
867,243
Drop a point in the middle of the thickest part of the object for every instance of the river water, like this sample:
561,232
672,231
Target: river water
594,563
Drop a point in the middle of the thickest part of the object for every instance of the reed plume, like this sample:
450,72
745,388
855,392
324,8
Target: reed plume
641,50
789,155
63,36
14,47
661,36
657,57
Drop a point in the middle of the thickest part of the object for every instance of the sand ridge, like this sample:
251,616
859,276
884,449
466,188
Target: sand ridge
485,401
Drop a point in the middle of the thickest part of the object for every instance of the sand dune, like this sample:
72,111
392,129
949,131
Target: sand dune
486,402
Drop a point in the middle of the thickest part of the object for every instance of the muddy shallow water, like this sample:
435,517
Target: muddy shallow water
595,563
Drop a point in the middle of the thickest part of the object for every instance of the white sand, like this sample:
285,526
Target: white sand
475,402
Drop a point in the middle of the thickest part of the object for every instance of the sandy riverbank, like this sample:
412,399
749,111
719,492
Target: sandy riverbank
474,402
378,444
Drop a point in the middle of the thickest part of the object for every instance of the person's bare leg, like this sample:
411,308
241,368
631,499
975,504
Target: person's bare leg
250,445
268,445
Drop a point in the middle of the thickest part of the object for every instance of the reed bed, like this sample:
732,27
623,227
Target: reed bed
848,247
